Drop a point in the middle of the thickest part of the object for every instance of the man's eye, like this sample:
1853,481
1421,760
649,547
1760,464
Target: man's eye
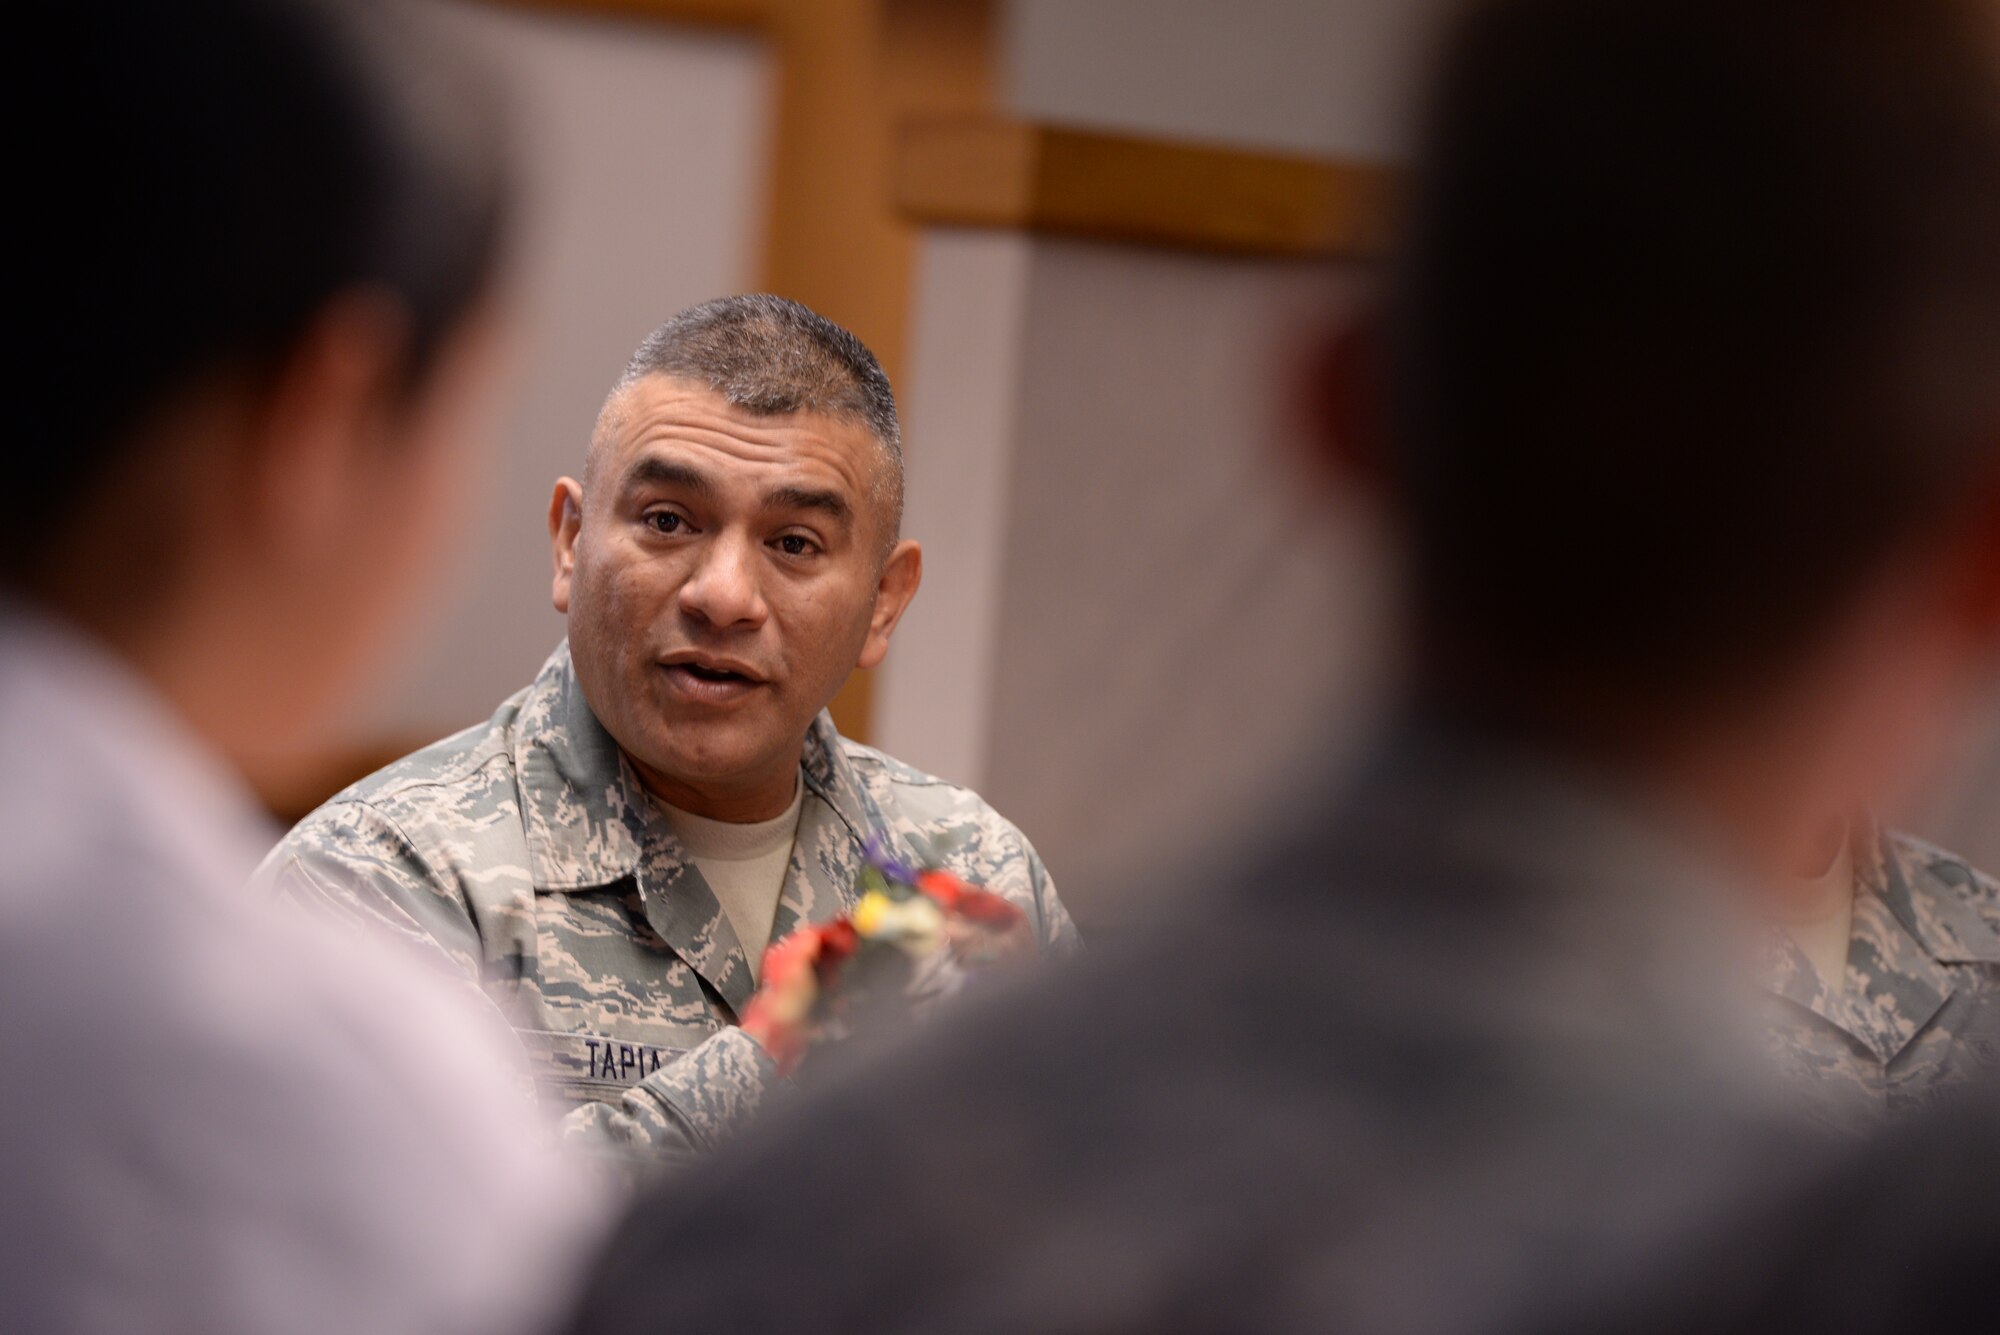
666,521
792,544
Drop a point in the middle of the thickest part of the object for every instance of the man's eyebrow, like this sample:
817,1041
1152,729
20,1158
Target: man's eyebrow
651,469
829,503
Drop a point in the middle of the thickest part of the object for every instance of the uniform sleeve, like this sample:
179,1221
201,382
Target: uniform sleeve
349,862
1059,936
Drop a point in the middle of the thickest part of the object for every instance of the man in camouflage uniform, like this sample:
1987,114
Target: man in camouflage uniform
731,555
1918,1008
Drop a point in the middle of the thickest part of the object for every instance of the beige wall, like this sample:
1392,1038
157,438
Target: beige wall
643,153
1308,76
961,413
1143,610
1186,613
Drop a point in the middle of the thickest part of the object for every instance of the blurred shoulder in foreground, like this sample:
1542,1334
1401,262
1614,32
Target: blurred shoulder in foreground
1395,1046
1896,1234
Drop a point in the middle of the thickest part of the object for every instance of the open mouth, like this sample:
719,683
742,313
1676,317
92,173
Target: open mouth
710,679
702,672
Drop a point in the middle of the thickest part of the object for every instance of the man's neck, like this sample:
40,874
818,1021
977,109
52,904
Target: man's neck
765,796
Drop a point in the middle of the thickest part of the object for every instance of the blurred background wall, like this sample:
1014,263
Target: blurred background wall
1090,240
1137,615
642,171
1305,76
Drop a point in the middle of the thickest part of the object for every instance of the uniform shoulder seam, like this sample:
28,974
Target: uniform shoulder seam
389,792
393,825
897,771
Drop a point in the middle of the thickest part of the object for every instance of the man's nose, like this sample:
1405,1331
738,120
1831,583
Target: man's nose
723,589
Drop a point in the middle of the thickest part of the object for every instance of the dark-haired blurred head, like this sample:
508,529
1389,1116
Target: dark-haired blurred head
262,245
1693,351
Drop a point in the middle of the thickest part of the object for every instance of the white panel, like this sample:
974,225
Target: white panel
1189,613
1309,76
642,150
962,400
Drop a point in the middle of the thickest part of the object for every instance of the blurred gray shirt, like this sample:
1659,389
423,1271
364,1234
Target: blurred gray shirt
218,1118
1468,1044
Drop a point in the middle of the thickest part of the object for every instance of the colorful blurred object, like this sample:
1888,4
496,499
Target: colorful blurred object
911,940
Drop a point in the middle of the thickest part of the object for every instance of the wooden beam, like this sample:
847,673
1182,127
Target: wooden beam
849,72
985,172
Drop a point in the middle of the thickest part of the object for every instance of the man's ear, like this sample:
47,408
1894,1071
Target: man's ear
901,574
1343,398
565,518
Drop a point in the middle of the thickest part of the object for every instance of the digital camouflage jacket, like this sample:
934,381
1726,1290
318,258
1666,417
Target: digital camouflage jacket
523,855
1920,1006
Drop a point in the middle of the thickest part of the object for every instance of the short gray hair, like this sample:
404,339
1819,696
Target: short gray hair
767,354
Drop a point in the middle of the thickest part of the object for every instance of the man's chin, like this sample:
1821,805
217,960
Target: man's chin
710,756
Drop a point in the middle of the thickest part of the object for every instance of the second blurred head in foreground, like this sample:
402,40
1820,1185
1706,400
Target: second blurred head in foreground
1688,410
265,233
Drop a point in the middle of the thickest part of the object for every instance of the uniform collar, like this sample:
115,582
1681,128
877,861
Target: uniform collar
1789,975
1909,926
1926,892
590,825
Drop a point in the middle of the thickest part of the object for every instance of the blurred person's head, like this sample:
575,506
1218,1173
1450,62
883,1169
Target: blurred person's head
261,240
733,551
1693,368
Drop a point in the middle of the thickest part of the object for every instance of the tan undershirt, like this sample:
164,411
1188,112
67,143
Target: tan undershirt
744,865
1826,924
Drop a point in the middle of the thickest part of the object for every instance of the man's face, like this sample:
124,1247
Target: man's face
722,573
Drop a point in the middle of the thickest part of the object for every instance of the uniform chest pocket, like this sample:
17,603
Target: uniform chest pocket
600,969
